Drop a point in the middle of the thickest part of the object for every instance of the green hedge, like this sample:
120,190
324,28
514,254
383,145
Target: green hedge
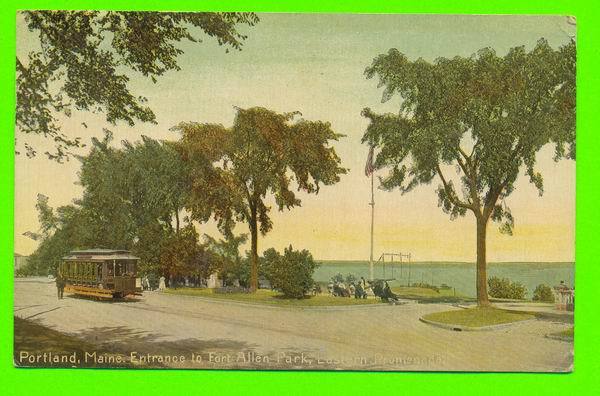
504,288
543,293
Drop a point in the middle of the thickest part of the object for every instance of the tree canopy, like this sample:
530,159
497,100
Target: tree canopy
86,59
60,231
228,260
263,154
486,115
133,199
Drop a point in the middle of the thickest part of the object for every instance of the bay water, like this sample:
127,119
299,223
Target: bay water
458,275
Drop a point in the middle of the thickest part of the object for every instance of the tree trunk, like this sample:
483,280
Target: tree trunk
482,294
254,252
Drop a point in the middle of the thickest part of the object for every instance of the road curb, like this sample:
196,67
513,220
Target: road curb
447,326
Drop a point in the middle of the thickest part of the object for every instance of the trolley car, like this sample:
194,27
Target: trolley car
101,273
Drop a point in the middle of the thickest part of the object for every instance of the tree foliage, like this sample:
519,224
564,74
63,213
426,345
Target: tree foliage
228,260
135,186
487,115
86,59
61,231
181,254
133,199
263,154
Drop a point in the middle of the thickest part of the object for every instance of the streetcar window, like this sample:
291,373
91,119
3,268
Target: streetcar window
131,267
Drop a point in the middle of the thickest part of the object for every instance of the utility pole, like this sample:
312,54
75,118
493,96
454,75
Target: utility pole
408,270
372,203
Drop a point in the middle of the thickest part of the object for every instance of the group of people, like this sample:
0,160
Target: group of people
378,288
340,289
382,290
147,284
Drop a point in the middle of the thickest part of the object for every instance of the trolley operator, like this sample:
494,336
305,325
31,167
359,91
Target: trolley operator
60,285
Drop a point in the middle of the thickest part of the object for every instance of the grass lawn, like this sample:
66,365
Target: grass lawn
263,296
429,295
568,333
478,317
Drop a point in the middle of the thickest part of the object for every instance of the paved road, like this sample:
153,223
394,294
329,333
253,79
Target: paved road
224,334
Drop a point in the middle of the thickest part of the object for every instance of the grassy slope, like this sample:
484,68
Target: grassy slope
477,317
273,298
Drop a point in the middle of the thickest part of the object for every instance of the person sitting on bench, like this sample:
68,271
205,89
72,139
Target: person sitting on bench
387,294
360,292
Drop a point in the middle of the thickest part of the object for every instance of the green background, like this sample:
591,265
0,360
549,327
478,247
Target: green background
583,380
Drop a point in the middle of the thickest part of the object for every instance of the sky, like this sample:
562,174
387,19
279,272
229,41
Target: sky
315,63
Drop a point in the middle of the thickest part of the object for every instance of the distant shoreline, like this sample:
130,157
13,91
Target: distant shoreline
346,262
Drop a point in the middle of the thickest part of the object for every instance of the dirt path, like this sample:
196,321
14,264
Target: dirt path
221,334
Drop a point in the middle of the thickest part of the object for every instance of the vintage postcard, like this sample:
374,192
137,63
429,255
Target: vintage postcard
249,191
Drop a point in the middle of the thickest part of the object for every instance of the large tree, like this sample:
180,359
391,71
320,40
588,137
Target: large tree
235,169
85,60
486,116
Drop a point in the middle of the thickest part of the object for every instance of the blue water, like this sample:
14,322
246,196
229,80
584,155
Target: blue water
458,275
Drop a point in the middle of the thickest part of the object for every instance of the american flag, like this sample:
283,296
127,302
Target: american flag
369,167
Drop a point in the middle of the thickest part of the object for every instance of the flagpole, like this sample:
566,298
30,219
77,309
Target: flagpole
372,224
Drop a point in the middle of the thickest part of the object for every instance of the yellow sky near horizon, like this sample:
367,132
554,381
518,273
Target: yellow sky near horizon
315,64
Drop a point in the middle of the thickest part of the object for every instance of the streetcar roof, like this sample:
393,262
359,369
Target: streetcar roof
99,251
100,255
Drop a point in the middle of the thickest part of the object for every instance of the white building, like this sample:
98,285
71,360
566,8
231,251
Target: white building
20,261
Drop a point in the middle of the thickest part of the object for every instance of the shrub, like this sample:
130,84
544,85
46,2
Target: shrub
350,278
543,293
504,288
292,272
517,291
337,278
